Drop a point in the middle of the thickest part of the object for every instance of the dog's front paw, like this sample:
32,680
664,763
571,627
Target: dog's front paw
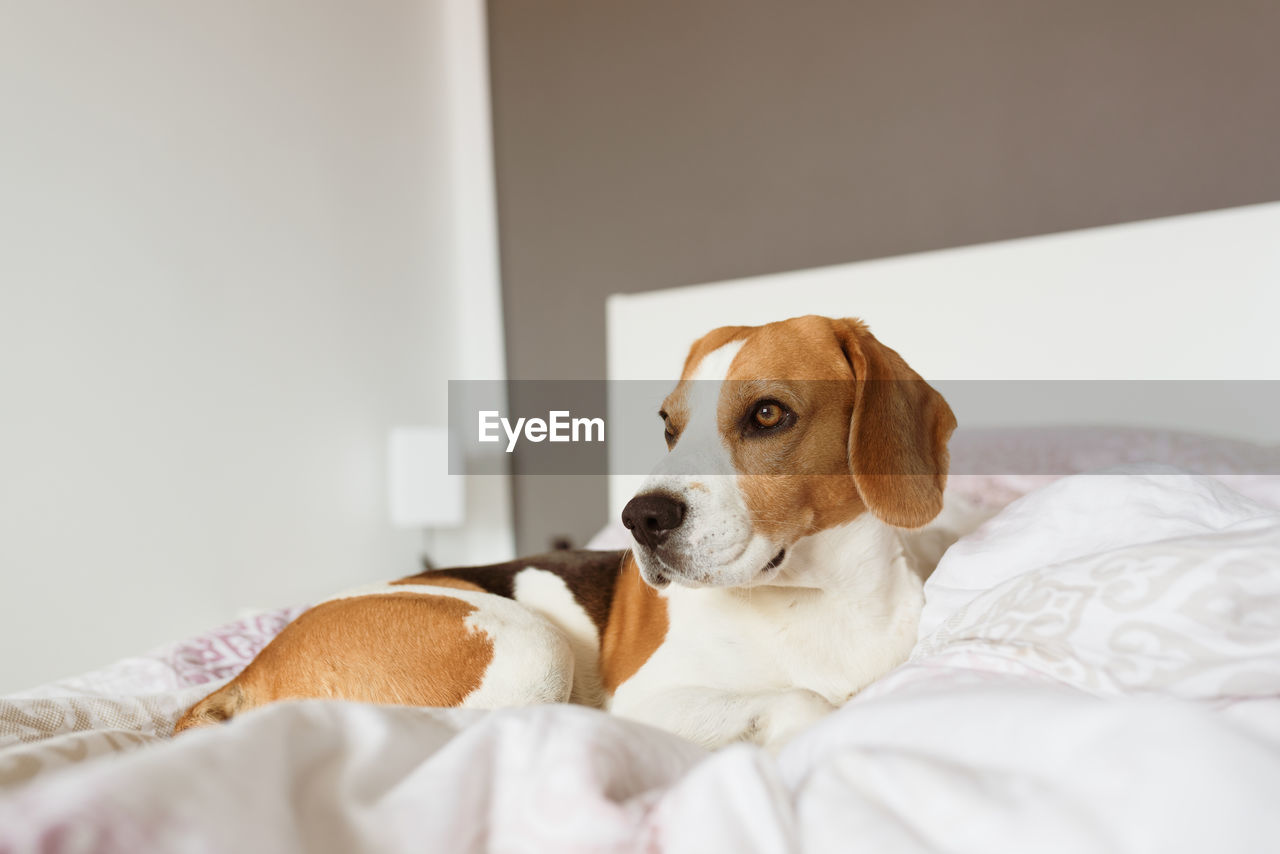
789,713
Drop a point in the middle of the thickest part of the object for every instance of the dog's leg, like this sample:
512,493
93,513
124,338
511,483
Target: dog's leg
409,645
714,718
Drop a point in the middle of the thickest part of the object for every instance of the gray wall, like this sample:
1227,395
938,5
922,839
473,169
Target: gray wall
656,143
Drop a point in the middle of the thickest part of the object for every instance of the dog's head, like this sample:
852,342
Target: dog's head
779,432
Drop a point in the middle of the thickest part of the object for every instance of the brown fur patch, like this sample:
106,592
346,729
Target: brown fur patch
797,482
637,626
403,648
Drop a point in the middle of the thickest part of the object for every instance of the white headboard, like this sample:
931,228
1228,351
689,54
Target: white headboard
1191,297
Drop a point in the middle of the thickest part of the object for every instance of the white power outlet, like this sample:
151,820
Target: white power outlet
422,492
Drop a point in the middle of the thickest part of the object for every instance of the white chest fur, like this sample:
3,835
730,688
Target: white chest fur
843,612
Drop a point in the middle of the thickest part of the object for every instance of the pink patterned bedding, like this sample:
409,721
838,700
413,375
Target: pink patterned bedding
132,702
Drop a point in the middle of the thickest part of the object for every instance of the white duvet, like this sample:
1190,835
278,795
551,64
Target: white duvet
1098,670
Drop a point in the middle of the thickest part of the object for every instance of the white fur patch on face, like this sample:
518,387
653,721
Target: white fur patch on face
714,366
716,544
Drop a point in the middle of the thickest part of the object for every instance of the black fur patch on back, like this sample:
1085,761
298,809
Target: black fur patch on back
591,577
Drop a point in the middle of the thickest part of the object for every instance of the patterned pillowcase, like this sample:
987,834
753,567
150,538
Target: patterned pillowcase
1117,584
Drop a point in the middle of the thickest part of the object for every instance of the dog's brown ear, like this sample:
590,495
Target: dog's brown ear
898,434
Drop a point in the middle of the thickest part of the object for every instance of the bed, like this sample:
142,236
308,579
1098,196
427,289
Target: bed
1098,666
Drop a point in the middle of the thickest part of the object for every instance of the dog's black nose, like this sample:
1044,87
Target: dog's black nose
651,516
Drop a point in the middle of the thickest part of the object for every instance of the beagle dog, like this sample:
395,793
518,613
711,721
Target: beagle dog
778,564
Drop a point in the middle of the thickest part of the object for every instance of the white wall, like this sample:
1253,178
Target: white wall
229,243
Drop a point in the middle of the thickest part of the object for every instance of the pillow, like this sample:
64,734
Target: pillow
1158,582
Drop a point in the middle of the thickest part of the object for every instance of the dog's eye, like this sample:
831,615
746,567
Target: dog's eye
768,414
668,432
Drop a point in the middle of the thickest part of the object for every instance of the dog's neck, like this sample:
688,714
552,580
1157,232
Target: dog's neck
861,558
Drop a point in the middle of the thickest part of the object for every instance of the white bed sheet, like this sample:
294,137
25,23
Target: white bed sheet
1099,669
